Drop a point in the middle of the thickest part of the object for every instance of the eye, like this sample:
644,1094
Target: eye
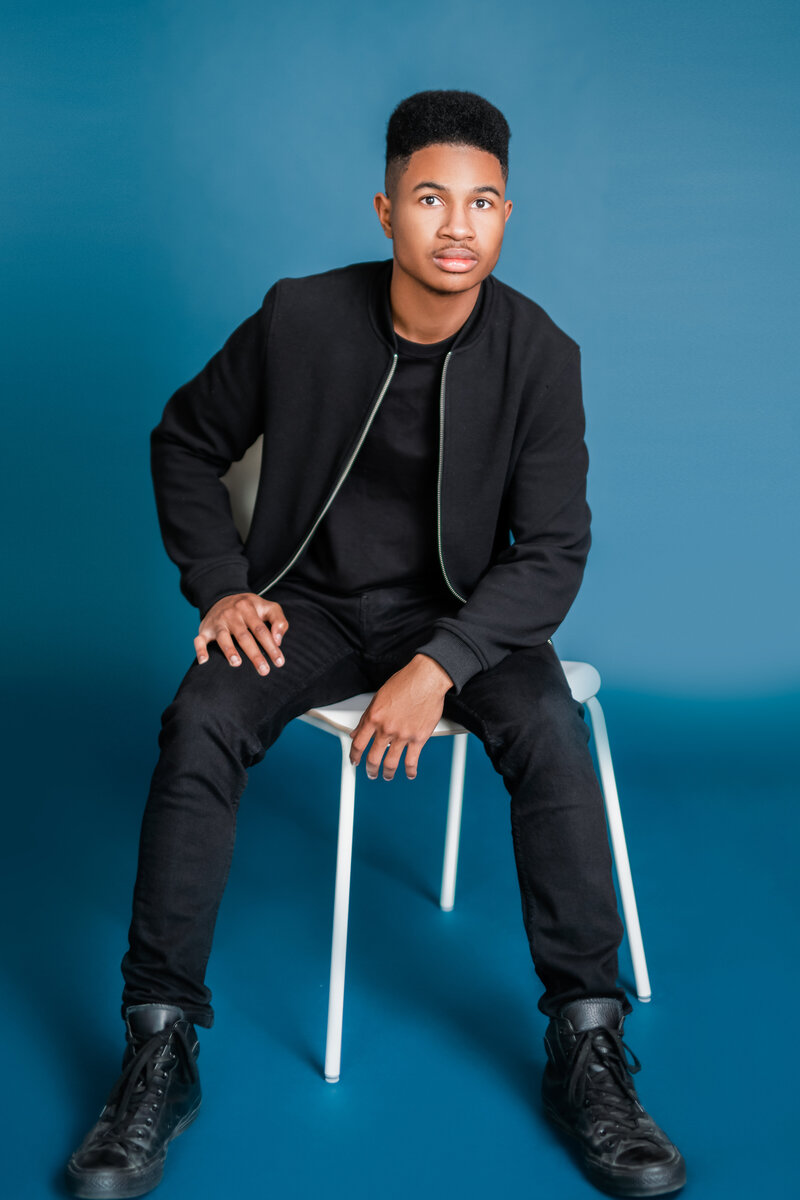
483,201
424,201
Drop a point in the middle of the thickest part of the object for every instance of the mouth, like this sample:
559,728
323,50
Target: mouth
456,260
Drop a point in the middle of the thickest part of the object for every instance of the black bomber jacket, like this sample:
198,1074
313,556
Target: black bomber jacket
309,370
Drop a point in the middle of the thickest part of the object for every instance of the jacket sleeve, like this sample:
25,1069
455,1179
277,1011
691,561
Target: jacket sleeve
209,423
527,590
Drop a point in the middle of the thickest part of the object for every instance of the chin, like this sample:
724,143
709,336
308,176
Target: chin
452,284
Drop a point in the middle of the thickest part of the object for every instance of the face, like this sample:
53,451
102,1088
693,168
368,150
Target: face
446,217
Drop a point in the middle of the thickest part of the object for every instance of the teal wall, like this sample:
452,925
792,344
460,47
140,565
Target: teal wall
165,162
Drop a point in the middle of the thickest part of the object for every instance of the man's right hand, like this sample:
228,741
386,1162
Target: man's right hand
243,617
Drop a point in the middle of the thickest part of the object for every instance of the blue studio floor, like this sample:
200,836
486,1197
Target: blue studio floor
442,1047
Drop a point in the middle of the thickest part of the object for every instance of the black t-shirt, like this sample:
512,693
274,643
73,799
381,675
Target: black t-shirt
381,529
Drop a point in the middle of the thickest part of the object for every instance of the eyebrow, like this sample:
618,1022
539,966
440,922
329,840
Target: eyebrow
441,187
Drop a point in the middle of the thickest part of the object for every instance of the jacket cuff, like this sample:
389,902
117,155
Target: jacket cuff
460,662
212,585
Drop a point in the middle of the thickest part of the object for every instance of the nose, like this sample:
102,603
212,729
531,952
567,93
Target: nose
457,224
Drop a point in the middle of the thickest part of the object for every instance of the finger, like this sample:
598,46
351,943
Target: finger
227,647
273,613
392,760
412,758
201,648
251,648
266,639
377,751
361,736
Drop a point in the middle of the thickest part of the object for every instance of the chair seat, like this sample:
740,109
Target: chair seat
583,680
344,715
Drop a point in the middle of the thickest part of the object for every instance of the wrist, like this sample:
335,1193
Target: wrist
438,676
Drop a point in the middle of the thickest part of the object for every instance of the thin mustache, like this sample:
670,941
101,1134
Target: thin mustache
450,249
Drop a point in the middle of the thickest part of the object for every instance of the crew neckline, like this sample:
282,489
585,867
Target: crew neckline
436,349
410,349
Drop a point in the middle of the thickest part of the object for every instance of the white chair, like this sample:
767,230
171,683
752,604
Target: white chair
341,719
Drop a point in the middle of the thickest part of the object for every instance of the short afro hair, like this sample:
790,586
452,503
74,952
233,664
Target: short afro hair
449,117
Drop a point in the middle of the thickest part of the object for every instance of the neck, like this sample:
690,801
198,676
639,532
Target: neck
420,314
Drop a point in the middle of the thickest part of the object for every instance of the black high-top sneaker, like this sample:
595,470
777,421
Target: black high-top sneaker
588,1091
155,1098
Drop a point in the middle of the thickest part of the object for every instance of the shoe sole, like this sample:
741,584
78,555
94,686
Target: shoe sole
657,1181
124,1183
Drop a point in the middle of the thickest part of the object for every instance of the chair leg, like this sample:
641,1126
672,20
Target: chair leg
341,906
620,849
453,831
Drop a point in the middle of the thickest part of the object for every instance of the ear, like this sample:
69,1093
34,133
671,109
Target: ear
383,207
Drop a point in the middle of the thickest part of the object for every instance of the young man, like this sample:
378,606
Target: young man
415,414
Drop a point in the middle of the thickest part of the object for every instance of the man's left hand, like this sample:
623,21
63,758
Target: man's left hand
401,716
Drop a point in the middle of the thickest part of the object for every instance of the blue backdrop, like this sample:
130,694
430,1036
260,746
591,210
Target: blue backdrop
167,161
164,163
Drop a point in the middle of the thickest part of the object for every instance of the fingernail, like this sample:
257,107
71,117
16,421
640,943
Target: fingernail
203,659
277,639
263,669
235,660
279,661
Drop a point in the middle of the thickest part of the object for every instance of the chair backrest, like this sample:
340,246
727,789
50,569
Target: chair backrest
241,480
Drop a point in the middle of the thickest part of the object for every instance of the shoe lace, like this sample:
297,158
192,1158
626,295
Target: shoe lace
600,1078
139,1080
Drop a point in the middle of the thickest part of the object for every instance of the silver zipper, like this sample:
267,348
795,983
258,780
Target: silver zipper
439,481
340,481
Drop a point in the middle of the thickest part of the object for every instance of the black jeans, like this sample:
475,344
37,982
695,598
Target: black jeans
224,719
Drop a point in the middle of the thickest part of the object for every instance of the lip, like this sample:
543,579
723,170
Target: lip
456,260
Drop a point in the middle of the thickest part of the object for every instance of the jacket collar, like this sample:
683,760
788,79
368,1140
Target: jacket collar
380,310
